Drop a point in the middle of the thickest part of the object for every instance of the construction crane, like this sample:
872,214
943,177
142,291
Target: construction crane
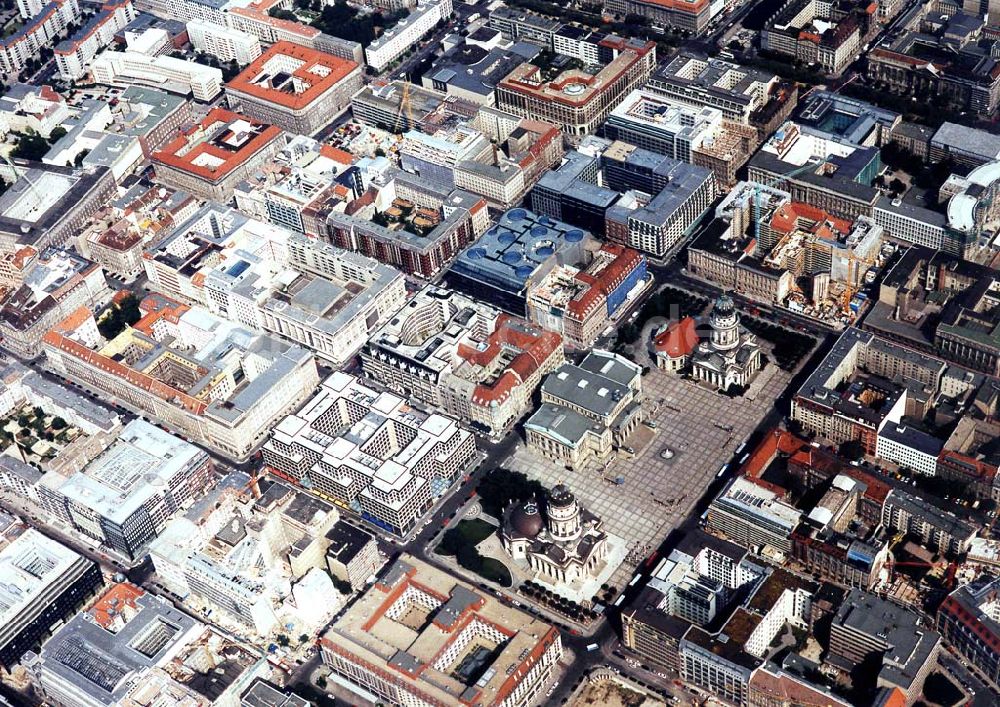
404,105
759,188
849,289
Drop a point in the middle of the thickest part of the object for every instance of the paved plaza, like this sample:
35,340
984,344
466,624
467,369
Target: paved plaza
701,427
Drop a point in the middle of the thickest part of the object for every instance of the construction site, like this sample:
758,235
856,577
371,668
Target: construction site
765,246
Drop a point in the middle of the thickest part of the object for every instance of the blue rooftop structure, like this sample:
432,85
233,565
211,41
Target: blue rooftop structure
498,267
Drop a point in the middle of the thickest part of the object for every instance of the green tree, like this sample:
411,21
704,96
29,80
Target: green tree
303,637
80,156
283,640
30,146
469,558
124,313
502,486
58,423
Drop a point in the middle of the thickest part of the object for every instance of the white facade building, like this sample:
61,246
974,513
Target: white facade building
25,108
369,451
395,41
224,43
172,75
73,56
44,23
908,447
332,313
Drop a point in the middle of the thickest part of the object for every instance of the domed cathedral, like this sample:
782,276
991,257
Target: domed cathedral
567,544
730,355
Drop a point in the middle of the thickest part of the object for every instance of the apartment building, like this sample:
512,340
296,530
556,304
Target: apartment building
580,302
868,364
117,239
939,529
464,357
967,622
224,43
178,264
910,448
723,661
965,78
235,557
74,55
59,283
790,32
201,82
42,25
25,107
516,24
305,181
296,88
384,50
360,448
416,226
525,154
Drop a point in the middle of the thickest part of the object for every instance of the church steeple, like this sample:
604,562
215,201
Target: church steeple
725,323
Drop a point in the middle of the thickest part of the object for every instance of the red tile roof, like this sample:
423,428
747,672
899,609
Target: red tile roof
606,280
679,339
791,691
318,73
787,217
534,347
109,606
181,152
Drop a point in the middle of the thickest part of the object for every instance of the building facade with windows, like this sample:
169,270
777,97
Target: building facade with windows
464,357
370,452
296,88
371,647
42,583
578,101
